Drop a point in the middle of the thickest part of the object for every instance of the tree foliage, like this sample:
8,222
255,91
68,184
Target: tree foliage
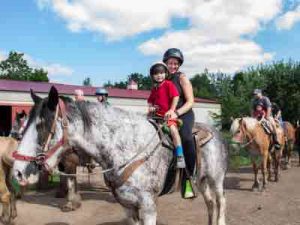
15,67
87,82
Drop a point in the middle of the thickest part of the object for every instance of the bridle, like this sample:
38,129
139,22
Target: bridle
246,135
41,158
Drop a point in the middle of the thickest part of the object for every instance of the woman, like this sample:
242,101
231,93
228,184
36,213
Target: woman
173,58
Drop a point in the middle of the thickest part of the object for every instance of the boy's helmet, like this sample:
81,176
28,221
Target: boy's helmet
154,67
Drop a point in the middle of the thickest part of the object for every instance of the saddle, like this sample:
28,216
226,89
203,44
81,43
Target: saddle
201,136
266,126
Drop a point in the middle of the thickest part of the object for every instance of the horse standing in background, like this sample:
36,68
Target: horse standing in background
249,133
290,139
125,144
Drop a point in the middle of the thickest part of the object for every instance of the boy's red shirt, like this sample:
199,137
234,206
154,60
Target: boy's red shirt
162,96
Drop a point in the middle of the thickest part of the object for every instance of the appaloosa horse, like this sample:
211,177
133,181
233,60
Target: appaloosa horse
124,143
249,133
68,165
289,133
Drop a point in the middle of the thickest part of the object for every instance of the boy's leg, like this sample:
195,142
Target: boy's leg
178,147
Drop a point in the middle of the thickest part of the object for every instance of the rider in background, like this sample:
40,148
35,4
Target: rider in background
102,96
79,95
259,112
162,101
173,58
276,112
259,99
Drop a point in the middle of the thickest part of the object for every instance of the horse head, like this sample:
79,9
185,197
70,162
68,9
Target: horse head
43,139
19,125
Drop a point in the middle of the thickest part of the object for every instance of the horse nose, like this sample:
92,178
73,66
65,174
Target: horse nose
19,176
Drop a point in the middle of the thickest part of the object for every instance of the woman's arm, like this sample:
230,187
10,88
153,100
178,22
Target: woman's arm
188,94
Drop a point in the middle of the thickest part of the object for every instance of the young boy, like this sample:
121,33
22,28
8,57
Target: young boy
259,112
162,101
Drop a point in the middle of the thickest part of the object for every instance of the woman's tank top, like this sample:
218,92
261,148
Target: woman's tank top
175,78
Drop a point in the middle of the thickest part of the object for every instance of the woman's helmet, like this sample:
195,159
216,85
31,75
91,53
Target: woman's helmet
101,91
173,53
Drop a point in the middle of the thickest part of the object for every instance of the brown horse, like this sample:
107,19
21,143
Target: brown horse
297,142
7,192
289,133
249,133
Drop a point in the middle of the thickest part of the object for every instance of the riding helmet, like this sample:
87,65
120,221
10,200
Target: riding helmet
173,53
101,91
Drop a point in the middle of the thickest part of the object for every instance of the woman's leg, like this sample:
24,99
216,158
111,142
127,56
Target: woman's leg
187,140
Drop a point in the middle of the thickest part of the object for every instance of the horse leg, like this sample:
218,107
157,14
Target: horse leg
73,198
221,203
269,165
264,169
133,217
206,192
5,196
255,186
148,209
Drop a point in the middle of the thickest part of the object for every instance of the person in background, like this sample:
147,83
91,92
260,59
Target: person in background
102,96
79,95
259,99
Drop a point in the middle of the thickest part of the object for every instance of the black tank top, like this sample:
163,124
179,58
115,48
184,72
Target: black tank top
175,78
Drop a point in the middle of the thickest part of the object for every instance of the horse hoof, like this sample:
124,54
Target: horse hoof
7,221
70,206
255,188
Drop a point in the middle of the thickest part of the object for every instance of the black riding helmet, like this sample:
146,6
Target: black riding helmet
173,53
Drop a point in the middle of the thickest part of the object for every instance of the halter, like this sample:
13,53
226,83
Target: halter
245,135
41,158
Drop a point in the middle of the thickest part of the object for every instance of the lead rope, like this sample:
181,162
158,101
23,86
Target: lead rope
123,166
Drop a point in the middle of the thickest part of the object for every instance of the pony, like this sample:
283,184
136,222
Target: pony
297,141
126,146
7,192
249,133
290,139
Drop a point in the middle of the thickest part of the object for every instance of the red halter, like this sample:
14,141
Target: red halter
41,158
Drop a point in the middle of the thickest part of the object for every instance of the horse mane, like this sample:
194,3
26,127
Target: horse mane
249,121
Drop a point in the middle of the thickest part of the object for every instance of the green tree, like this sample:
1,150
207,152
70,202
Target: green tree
15,67
87,82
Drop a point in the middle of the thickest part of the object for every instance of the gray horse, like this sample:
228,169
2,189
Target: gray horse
125,144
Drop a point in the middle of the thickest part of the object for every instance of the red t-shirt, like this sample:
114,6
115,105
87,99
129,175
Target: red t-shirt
162,96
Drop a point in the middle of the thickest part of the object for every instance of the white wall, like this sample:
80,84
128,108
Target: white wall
202,111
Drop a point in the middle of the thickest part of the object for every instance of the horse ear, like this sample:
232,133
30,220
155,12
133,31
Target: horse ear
36,99
231,119
52,98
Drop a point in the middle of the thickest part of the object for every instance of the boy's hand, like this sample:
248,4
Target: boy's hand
169,114
151,109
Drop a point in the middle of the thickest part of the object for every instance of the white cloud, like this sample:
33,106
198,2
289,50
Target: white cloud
289,19
3,56
54,69
215,38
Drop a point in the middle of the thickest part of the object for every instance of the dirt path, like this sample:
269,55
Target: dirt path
279,205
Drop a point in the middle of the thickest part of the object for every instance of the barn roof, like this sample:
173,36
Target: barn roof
44,87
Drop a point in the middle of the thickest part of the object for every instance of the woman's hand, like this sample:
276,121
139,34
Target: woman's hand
170,115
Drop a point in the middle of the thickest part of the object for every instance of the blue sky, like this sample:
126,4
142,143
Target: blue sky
109,39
